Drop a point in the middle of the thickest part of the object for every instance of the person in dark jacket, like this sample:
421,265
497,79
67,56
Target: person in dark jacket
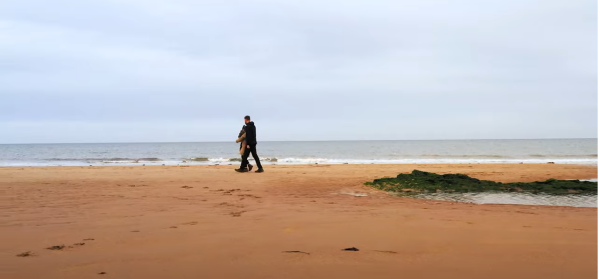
250,147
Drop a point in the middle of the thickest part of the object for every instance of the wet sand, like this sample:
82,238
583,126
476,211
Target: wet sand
210,222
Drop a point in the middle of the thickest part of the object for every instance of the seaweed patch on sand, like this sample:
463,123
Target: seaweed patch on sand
427,182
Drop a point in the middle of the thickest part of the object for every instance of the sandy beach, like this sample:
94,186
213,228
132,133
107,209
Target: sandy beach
210,222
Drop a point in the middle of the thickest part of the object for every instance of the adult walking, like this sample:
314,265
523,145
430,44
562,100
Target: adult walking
250,147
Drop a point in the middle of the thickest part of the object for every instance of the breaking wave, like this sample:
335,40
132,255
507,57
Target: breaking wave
201,159
483,159
564,156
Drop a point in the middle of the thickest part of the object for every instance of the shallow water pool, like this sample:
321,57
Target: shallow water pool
512,198
579,200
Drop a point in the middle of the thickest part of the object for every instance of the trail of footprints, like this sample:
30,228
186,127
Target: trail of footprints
235,204
234,208
55,248
79,244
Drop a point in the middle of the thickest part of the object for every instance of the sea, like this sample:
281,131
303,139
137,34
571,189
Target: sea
559,151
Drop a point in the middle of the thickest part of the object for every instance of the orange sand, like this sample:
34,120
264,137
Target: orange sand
231,225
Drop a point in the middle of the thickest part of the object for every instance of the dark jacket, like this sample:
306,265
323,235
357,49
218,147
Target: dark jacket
250,133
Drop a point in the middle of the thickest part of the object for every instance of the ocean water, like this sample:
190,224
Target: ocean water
560,151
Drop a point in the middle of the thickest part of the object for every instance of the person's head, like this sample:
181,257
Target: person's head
246,118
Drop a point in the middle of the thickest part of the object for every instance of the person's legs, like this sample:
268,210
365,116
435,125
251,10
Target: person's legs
242,150
255,156
245,162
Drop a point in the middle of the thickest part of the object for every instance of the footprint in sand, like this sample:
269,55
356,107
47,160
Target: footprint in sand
56,247
249,196
62,247
229,192
26,254
237,214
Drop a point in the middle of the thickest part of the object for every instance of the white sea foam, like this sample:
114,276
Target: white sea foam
298,161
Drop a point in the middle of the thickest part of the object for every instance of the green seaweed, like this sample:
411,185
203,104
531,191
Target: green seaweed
427,182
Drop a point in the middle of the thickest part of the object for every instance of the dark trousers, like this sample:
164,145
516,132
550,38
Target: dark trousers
242,145
247,152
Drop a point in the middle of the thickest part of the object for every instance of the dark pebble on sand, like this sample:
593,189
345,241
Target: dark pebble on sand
351,249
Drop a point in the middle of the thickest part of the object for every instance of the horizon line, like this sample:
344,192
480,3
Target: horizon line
143,142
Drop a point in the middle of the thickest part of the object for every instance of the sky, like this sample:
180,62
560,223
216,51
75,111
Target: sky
185,70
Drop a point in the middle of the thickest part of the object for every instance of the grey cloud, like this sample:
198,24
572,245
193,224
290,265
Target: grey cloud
395,69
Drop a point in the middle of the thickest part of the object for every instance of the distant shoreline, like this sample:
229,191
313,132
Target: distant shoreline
233,164
278,141
266,163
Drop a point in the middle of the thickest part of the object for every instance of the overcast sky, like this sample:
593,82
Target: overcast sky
186,70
